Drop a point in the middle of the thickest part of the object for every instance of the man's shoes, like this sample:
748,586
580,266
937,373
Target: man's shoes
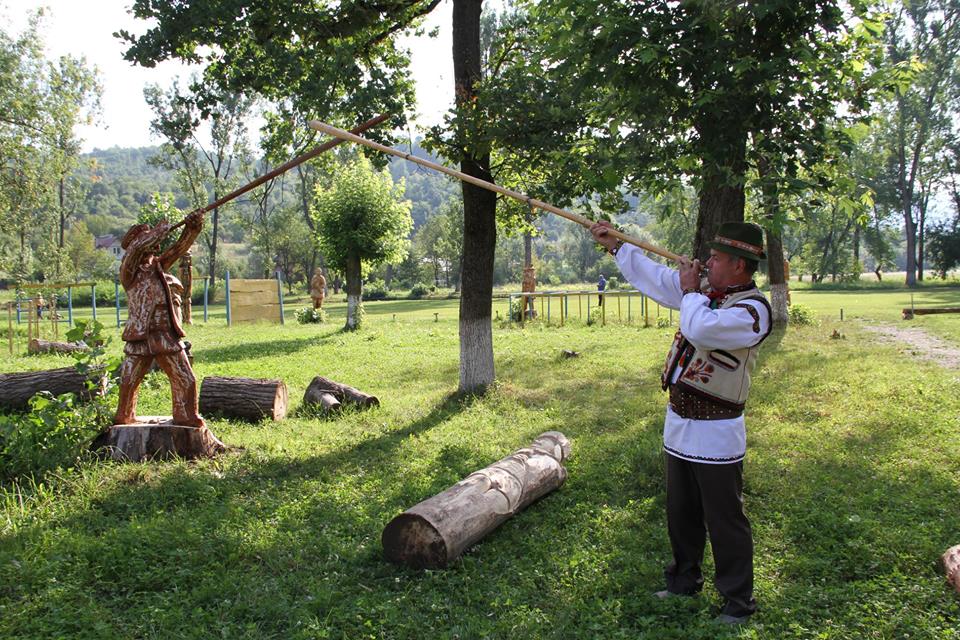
724,618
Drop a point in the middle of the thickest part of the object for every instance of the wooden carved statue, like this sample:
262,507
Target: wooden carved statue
528,285
153,331
318,286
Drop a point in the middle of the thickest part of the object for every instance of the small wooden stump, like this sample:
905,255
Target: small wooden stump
16,389
37,346
156,438
951,564
436,531
331,395
246,398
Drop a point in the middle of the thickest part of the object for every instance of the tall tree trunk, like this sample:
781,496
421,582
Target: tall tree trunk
527,248
921,229
910,231
775,271
354,291
479,215
721,192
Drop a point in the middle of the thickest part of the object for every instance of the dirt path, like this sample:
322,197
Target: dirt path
921,344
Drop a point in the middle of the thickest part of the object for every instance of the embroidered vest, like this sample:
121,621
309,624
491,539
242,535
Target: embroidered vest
713,384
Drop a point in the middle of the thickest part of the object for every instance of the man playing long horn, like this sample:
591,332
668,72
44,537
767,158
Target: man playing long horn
153,332
707,373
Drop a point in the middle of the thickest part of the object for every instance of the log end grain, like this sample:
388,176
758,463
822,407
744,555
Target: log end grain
951,565
411,540
156,440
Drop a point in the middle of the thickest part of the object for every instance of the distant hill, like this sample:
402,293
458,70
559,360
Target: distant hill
125,179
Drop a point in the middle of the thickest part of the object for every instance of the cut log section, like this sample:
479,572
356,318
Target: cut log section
951,564
321,390
156,438
36,346
246,398
16,389
909,312
436,531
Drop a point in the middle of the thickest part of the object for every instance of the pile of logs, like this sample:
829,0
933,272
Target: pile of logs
16,389
331,396
247,398
436,531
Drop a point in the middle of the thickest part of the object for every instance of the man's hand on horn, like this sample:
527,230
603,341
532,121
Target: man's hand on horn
689,273
601,233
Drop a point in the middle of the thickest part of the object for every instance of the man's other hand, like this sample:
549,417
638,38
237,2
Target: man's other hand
689,273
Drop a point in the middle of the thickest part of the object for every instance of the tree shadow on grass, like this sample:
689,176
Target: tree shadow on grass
270,348
246,548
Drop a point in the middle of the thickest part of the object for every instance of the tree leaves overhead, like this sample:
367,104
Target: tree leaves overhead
329,57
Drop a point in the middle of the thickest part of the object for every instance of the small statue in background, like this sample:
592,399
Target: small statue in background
318,287
153,331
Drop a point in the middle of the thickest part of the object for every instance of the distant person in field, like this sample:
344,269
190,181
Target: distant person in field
318,288
153,332
723,321
601,286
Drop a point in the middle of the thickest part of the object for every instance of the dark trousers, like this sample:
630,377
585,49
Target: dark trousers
709,497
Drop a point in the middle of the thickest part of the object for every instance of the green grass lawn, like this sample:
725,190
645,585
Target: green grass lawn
852,481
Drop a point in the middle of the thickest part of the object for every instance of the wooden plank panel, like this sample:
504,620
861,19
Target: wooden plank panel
259,313
243,286
247,298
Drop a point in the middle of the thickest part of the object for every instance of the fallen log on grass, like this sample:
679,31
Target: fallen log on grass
246,398
156,438
16,389
330,395
951,564
909,312
436,531
37,346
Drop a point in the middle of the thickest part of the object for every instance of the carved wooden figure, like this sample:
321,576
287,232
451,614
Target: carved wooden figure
153,332
318,286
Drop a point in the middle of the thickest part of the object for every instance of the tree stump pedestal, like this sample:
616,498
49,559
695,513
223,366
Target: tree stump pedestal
156,438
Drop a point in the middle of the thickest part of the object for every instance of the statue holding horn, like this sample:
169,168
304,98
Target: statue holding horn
153,332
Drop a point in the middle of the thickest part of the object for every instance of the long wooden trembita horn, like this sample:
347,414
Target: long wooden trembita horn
539,204
290,164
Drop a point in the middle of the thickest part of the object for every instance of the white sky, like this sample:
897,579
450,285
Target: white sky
86,27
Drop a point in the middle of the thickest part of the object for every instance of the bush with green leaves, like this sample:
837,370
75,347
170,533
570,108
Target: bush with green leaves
802,315
375,290
56,431
418,291
309,315
613,283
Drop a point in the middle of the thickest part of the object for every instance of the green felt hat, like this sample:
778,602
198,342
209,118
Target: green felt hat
743,239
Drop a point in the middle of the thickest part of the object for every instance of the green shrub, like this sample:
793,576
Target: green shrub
375,290
418,291
309,315
56,431
613,283
802,315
